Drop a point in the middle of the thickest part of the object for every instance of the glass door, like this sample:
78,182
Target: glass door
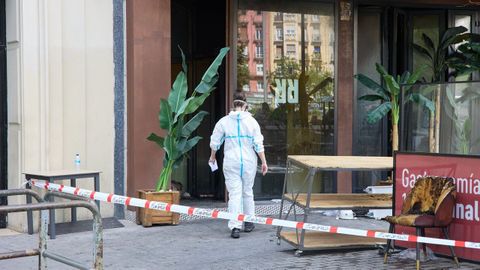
285,64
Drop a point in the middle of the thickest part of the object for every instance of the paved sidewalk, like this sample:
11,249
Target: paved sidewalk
206,244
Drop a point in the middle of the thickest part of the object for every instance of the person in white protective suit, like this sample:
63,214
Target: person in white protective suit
243,141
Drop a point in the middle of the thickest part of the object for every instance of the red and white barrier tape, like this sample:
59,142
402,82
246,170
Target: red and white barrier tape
192,211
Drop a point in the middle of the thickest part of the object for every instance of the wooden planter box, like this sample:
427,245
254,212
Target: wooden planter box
149,217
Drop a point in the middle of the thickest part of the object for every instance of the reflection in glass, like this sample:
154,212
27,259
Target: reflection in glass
465,21
290,90
430,26
459,122
368,137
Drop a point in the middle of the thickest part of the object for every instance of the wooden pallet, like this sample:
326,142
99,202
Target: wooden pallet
342,200
321,240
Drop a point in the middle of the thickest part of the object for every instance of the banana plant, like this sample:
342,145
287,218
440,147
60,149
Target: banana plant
466,59
172,118
389,96
443,55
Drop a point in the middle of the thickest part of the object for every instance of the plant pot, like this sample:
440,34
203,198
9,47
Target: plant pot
149,217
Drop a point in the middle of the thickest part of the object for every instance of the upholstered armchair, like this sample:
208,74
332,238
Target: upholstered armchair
429,204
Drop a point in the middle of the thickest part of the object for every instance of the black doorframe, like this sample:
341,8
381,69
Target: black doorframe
3,108
207,37
201,36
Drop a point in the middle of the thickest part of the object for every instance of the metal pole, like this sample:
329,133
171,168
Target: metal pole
44,207
98,246
14,192
65,260
97,225
29,213
42,239
96,182
311,175
73,183
98,242
29,194
19,254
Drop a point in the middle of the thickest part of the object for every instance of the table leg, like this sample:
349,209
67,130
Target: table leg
96,180
51,226
279,228
29,213
311,175
73,183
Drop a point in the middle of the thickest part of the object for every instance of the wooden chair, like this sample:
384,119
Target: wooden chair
429,204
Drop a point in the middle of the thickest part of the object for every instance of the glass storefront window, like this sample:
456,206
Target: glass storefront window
430,26
459,119
368,137
465,21
291,92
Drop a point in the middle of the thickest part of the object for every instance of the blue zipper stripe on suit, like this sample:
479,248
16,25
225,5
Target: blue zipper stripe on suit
239,136
240,146
242,137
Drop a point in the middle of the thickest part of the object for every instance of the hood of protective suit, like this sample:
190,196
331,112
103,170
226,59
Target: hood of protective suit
239,114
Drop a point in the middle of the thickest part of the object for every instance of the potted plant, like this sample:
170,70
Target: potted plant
389,97
179,128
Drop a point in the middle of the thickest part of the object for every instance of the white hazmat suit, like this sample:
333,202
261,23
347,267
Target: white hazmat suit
242,137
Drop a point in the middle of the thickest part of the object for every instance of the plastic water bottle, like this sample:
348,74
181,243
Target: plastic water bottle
77,162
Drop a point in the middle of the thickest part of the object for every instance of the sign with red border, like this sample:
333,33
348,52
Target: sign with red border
465,170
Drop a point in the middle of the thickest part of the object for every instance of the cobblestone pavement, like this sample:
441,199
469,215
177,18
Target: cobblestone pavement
206,244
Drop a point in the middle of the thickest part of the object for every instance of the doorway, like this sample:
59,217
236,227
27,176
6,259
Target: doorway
200,30
3,109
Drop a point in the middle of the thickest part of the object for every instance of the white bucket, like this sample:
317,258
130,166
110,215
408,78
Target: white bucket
346,214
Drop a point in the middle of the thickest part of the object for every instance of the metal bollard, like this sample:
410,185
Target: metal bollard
22,191
44,208
97,224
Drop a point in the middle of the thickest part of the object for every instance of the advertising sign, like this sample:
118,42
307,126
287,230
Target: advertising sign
465,171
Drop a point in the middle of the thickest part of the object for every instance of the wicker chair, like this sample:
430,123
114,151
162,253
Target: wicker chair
429,204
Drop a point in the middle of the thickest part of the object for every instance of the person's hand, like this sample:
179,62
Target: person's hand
264,168
212,160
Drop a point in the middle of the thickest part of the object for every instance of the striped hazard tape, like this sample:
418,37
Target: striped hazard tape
193,211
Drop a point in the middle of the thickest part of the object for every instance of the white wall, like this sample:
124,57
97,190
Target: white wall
60,91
